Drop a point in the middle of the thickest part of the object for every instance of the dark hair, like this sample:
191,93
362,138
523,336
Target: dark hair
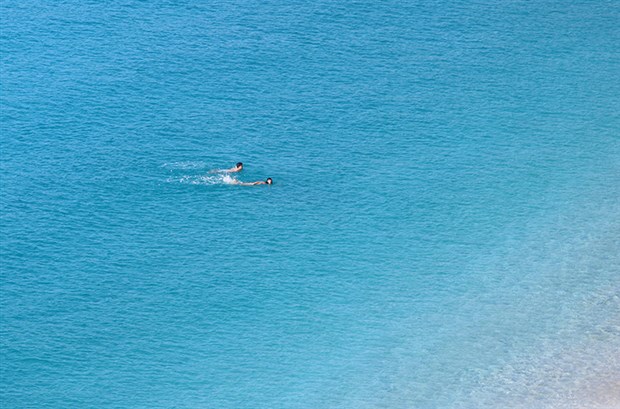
269,181
239,165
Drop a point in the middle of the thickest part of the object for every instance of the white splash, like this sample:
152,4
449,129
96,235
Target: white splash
203,179
229,180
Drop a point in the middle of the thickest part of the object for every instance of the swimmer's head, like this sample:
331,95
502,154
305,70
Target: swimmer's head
269,181
239,165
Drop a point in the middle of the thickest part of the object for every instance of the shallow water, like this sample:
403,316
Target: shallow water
442,231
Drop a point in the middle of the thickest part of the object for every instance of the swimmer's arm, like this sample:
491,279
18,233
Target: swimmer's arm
231,170
249,183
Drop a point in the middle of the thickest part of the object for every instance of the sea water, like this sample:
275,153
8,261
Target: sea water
443,230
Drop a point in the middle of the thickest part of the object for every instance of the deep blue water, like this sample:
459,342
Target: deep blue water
443,230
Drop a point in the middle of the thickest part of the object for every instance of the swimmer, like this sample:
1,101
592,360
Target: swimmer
237,168
259,182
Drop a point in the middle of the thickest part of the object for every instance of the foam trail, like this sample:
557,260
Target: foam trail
202,180
227,179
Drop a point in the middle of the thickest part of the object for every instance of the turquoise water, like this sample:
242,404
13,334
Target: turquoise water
443,230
